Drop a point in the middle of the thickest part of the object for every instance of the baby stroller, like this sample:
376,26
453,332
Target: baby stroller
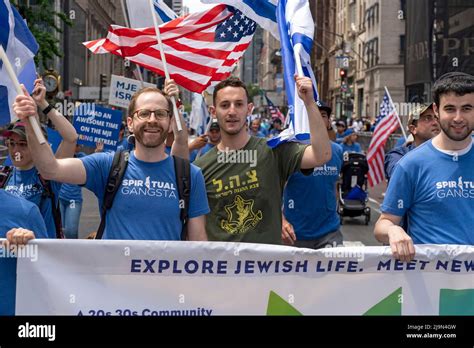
353,195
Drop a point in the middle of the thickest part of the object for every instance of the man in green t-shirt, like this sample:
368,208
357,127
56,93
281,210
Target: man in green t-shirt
244,177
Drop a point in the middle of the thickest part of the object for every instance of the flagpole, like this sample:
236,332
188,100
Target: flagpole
165,67
127,23
299,67
13,77
396,113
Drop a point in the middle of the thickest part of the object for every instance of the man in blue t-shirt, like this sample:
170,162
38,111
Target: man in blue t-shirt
310,218
146,206
18,212
24,180
434,184
423,125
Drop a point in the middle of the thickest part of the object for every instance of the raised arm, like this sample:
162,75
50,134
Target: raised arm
70,170
320,150
67,146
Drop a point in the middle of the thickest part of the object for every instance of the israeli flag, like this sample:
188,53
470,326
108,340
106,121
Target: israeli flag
199,114
296,27
140,16
20,47
263,12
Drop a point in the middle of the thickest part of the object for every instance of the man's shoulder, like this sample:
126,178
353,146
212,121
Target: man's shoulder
194,169
401,150
336,149
206,158
16,203
418,156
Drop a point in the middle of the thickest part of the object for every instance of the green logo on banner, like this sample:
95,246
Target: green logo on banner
278,306
390,305
451,302
456,302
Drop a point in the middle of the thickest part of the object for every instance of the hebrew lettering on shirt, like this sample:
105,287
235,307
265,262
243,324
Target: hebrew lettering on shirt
237,181
252,175
218,183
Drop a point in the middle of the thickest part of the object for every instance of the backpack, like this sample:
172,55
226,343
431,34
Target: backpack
182,168
5,173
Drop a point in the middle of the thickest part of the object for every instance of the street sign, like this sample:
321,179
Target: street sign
342,62
122,89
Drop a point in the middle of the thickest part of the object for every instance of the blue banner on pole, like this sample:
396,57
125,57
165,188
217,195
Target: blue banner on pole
96,124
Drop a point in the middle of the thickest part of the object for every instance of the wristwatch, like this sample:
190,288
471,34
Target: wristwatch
47,109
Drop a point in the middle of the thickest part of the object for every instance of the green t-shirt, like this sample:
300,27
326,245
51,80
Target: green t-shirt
244,189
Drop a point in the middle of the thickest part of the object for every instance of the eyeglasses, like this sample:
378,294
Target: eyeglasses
11,143
428,118
145,114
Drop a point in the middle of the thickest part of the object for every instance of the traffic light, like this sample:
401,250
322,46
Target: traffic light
103,80
343,73
103,83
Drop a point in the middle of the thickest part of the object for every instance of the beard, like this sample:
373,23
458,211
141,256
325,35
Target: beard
451,134
148,139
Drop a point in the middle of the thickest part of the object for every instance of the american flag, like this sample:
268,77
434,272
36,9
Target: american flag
200,48
386,125
274,111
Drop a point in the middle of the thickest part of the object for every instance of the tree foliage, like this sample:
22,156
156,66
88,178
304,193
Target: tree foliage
254,90
41,19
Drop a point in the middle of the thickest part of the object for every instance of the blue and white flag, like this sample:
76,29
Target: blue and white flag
20,47
140,16
199,116
296,37
261,11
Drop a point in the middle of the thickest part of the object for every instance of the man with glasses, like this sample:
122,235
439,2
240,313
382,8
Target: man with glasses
423,124
147,205
24,180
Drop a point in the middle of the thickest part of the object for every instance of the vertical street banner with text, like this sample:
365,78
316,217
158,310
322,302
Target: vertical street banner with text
174,278
96,124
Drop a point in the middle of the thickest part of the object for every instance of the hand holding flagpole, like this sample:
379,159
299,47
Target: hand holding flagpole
165,68
13,77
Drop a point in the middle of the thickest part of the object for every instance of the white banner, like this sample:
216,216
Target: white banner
159,278
122,89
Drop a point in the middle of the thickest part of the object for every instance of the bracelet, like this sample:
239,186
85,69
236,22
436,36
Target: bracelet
48,109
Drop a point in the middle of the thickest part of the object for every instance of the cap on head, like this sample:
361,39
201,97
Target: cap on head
416,113
340,124
214,125
19,129
348,132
